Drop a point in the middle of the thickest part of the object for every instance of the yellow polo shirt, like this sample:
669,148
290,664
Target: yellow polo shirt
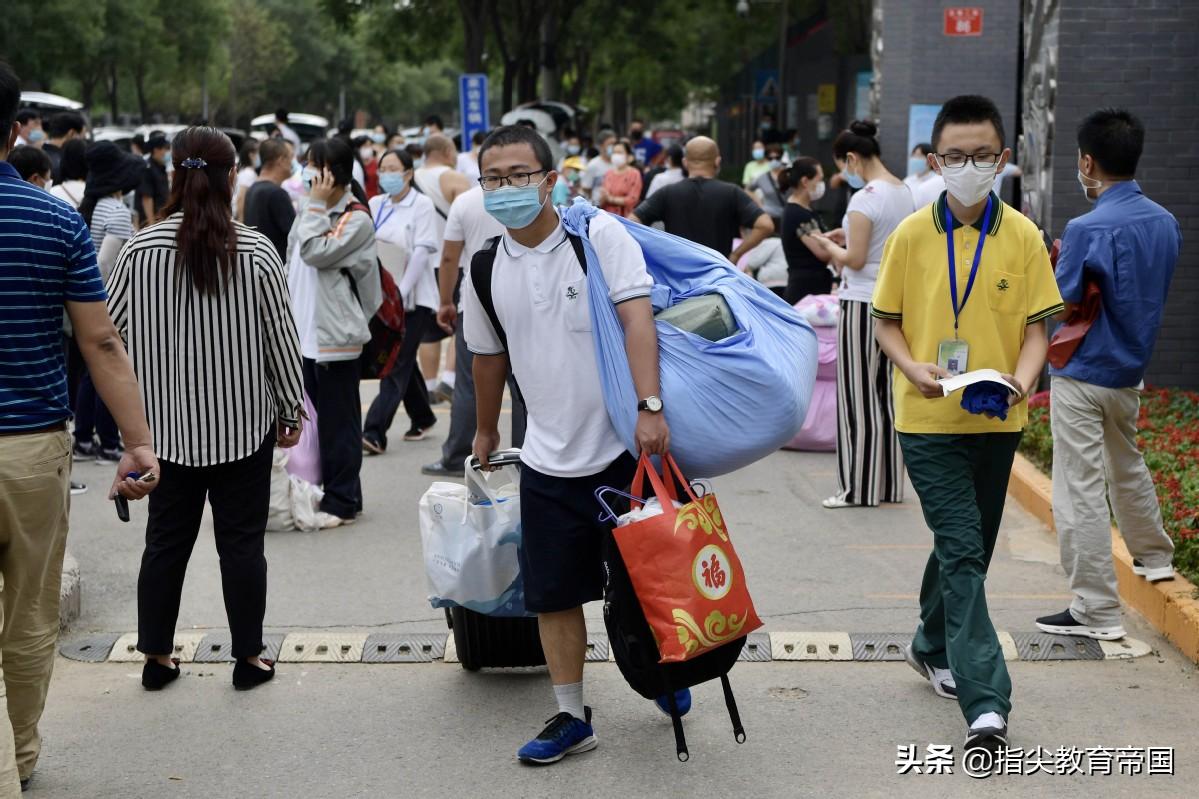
1013,289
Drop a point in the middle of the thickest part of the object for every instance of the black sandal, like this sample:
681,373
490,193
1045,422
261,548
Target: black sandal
246,675
156,676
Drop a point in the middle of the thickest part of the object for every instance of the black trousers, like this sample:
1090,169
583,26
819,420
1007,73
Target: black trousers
92,418
239,493
405,383
333,388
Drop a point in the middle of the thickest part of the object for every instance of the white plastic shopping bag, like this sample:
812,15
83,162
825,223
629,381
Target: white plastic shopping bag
470,534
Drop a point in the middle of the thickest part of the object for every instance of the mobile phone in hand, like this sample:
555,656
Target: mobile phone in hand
122,503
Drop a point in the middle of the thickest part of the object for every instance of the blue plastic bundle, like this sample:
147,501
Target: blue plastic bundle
728,402
988,398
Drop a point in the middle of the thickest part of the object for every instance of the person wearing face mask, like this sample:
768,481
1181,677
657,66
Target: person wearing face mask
925,184
468,162
404,219
870,468
765,187
248,164
807,260
646,151
592,182
1114,273
335,291
572,146
621,190
365,147
965,284
31,133
32,165
539,321
757,164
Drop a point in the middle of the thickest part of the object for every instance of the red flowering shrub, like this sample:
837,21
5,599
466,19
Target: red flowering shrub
1168,434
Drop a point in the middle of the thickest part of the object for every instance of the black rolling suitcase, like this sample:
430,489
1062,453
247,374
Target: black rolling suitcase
495,641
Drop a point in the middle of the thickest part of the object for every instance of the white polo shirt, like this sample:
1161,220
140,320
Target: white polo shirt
540,297
410,224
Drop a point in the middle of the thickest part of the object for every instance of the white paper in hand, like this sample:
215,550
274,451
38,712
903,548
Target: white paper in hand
952,384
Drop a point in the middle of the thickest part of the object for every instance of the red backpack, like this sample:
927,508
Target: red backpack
379,355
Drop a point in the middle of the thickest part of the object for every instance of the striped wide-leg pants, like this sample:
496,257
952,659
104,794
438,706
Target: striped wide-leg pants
869,462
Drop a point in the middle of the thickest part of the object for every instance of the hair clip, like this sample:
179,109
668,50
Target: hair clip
193,163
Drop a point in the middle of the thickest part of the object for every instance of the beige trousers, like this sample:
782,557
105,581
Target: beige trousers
1095,457
35,475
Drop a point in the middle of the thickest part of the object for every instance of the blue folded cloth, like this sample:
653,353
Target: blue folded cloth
986,397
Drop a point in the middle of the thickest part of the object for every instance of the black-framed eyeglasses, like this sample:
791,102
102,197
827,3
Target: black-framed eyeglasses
959,160
517,180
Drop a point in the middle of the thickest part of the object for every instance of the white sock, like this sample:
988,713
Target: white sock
944,677
448,378
570,699
431,384
985,720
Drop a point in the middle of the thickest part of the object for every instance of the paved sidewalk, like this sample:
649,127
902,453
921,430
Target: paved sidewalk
819,729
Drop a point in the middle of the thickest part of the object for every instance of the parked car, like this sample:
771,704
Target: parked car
120,136
306,126
49,103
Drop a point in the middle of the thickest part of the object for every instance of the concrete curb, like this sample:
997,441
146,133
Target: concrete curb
1169,606
70,600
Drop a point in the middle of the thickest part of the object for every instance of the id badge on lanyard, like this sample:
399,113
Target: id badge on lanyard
953,355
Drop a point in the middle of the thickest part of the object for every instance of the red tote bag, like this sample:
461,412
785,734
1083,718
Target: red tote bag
685,572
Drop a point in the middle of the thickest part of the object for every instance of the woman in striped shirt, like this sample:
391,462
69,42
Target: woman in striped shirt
202,301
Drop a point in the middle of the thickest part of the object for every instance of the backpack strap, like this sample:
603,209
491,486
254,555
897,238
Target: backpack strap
481,265
731,704
676,720
576,244
416,187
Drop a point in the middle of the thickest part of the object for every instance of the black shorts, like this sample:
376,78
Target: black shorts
561,554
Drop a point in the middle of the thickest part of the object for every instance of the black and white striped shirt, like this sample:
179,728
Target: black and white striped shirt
216,371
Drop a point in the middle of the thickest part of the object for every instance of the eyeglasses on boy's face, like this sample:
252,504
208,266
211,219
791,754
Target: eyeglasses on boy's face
517,180
959,160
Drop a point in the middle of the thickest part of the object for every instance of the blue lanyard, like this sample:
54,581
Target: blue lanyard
953,271
389,207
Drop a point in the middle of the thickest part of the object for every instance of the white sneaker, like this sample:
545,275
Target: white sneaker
1153,575
837,501
327,521
941,679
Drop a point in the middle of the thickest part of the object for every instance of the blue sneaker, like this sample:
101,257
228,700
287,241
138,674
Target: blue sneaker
682,698
564,735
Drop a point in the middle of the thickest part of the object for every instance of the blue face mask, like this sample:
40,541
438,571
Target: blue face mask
378,138
36,135
166,160
512,207
295,167
758,153
392,182
573,149
417,163
258,162
917,165
308,174
854,181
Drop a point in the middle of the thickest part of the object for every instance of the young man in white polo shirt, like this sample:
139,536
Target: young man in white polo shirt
539,299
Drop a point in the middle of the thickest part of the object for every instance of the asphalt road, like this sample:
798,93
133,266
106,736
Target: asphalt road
815,729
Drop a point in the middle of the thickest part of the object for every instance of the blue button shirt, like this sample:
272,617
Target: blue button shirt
1129,245
46,258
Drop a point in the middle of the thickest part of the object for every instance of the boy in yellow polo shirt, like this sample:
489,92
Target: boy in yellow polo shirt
964,284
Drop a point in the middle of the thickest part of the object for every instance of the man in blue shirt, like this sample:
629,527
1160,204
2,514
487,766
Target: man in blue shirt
46,262
1126,247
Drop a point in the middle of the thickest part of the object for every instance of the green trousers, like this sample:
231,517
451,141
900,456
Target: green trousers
962,483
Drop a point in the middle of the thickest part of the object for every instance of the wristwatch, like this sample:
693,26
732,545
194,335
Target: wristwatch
651,404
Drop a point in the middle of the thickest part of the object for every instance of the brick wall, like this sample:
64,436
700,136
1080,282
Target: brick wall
921,65
1144,60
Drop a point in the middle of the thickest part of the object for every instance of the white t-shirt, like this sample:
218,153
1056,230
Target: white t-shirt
69,191
592,179
540,297
246,176
885,205
428,179
470,224
468,165
928,191
663,179
409,224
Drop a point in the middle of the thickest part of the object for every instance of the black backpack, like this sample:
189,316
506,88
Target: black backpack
636,651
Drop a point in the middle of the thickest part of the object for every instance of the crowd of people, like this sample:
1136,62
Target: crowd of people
206,296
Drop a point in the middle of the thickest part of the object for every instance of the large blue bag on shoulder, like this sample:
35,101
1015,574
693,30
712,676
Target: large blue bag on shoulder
728,402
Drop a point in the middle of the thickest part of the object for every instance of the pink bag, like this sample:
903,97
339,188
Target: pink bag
819,431
304,459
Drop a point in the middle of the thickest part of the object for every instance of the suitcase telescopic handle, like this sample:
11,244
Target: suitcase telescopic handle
498,459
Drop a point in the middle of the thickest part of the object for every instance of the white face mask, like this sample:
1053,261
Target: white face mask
619,160
969,184
366,153
816,191
1088,183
